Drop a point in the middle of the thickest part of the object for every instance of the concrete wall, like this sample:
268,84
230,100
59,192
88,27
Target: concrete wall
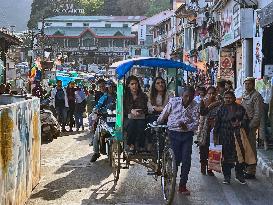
20,142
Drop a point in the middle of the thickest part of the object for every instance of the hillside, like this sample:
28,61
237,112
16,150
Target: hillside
42,8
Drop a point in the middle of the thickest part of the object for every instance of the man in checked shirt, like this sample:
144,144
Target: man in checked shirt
182,116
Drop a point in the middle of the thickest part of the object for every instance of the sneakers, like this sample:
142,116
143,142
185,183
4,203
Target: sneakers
226,181
249,176
240,180
94,157
183,190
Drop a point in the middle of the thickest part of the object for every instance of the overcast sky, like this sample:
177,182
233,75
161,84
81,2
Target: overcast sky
15,12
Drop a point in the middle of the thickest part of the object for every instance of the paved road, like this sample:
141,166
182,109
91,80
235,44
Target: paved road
69,179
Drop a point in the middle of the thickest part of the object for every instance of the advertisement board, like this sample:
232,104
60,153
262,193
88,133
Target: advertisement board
227,61
257,45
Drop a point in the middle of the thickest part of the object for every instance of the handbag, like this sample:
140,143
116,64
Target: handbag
215,158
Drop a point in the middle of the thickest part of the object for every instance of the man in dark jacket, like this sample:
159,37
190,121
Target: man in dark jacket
71,103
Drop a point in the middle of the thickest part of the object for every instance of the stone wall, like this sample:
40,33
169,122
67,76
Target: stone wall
20,142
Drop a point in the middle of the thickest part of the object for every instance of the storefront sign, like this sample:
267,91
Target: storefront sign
111,53
142,34
227,66
257,46
230,23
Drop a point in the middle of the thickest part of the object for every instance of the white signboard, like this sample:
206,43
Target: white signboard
65,7
230,23
257,46
141,34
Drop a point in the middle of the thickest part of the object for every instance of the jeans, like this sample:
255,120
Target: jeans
61,115
79,119
96,145
136,132
181,143
71,115
238,170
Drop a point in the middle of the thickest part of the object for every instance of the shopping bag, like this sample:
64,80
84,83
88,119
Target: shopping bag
215,158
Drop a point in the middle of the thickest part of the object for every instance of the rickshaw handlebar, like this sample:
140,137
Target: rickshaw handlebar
156,125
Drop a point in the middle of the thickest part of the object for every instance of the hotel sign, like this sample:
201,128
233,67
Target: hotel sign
65,7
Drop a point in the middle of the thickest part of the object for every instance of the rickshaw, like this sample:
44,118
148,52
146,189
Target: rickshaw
160,163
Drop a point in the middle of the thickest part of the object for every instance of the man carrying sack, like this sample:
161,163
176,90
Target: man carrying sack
253,103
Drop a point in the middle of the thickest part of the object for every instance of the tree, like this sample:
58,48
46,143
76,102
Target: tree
134,7
111,8
92,7
156,6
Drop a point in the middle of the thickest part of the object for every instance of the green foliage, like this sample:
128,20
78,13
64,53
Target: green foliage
92,7
156,6
45,8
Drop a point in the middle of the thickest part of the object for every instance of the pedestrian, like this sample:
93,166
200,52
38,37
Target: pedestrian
228,86
208,110
2,88
252,101
221,89
228,122
200,94
36,72
101,89
8,88
71,103
38,90
182,115
60,103
80,107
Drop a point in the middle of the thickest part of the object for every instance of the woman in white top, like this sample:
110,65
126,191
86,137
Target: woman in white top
159,96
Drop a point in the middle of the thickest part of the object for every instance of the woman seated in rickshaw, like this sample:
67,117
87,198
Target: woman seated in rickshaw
135,109
159,98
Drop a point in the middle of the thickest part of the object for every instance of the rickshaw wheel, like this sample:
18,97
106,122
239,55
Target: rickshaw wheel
115,159
168,179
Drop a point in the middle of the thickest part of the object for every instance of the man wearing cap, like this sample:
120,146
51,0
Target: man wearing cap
253,103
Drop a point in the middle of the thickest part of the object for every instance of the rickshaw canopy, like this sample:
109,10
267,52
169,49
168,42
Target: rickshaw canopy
122,67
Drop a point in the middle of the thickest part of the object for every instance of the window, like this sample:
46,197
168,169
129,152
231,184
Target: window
73,42
85,24
138,52
107,25
125,25
68,24
88,42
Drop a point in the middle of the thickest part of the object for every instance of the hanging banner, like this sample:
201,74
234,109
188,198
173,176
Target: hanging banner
240,72
227,66
257,46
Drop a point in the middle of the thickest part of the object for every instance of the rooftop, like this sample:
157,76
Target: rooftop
96,18
78,31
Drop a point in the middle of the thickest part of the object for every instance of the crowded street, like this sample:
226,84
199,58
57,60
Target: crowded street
136,102
69,179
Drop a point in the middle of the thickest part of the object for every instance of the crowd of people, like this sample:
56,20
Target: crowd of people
199,115
214,112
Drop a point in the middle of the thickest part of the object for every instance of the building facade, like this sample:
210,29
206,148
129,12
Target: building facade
164,42
90,39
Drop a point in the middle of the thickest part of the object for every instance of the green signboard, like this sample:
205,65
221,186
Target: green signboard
1,71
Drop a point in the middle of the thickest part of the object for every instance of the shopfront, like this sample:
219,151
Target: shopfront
236,45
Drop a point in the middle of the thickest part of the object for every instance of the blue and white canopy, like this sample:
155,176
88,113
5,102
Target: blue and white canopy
122,67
